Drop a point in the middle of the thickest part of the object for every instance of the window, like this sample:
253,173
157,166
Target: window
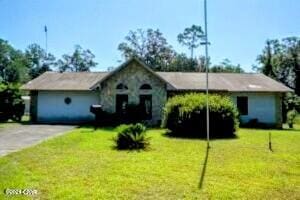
121,103
68,100
146,106
145,87
242,105
121,86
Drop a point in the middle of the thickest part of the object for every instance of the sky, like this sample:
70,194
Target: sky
237,29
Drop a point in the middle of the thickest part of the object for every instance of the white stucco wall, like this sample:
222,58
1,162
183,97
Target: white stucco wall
52,106
261,106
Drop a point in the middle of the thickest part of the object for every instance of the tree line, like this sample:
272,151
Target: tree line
280,60
149,45
19,67
152,47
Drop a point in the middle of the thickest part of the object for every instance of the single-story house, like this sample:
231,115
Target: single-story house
66,97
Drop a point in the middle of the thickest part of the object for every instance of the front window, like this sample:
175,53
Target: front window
121,86
146,87
242,105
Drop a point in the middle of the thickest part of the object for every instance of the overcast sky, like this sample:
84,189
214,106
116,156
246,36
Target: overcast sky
237,29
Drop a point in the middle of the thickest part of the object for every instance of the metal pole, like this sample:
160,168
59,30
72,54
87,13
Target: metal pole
207,67
46,39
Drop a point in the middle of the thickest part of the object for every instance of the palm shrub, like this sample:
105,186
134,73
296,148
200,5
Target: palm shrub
131,137
185,115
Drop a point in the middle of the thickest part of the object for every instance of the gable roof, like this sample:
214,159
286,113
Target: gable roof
193,81
76,81
125,64
231,82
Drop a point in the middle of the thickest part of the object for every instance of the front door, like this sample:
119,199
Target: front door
146,106
121,103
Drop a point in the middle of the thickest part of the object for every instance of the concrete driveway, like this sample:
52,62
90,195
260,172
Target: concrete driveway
15,138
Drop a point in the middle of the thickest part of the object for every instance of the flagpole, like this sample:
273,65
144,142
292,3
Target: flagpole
206,69
46,39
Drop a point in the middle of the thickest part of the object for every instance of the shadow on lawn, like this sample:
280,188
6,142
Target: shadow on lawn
198,136
203,171
96,128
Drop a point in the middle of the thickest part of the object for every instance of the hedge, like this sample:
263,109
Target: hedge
11,104
185,115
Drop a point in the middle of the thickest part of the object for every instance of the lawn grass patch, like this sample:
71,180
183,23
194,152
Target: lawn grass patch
10,123
83,164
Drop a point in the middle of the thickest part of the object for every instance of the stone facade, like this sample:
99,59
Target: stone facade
134,76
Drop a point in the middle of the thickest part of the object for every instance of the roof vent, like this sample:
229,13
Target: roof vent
254,86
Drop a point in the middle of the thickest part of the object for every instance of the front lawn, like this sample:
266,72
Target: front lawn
83,165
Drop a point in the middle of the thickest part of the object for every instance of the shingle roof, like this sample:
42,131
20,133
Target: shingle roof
178,81
65,81
125,64
233,82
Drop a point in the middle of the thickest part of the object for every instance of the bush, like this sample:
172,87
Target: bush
131,137
291,116
11,103
185,115
290,102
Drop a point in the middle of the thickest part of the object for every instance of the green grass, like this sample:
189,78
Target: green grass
83,165
10,123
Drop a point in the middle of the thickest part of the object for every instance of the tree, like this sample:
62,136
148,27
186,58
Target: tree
226,66
39,60
281,60
292,49
182,63
11,104
81,60
266,58
150,46
191,37
292,102
13,64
